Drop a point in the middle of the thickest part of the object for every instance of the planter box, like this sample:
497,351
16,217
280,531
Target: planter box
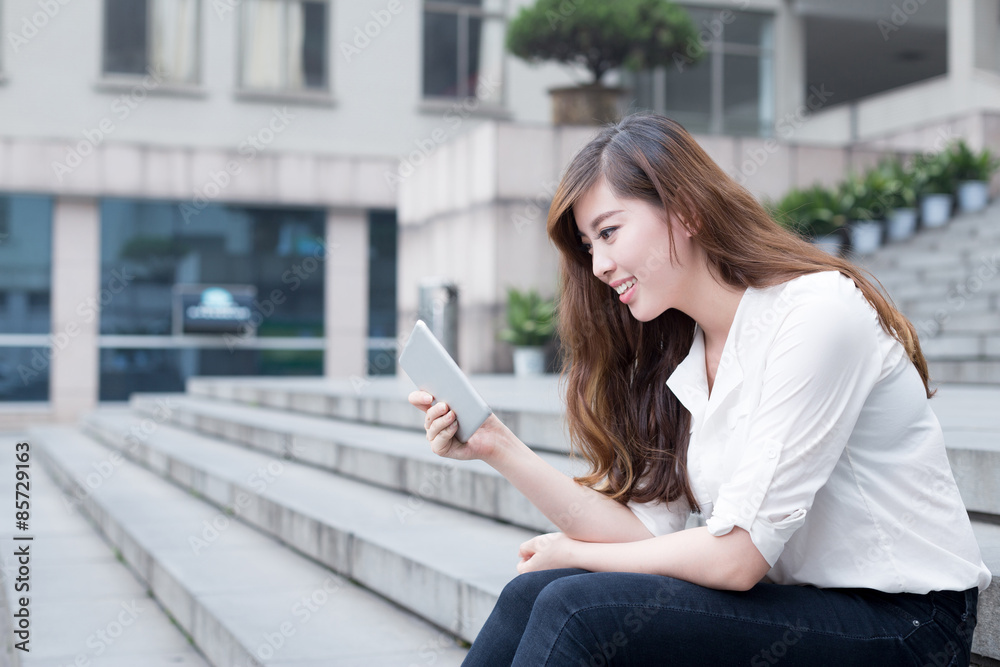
529,360
902,224
866,236
831,243
972,196
935,210
587,105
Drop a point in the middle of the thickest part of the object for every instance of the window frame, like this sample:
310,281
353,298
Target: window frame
464,13
716,51
122,81
318,96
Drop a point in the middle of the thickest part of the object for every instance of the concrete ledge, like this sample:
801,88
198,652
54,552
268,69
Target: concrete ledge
245,599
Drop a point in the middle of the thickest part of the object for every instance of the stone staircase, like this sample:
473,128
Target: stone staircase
947,281
304,522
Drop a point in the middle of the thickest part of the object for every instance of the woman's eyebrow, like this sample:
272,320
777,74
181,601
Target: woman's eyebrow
598,220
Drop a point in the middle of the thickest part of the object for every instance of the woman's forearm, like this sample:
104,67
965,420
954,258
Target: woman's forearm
578,511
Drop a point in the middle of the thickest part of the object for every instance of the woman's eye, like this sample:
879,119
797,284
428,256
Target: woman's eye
608,230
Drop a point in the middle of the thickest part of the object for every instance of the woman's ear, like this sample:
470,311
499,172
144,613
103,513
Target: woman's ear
681,225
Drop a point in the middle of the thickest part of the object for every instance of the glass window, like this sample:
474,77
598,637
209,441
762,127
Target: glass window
25,295
127,370
284,45
730,90
145,36
25,264
463,49
147,247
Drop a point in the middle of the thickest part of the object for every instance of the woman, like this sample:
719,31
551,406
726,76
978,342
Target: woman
717,364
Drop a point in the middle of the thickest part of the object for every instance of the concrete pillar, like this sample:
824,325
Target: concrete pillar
346,294
76,277
972,37
790,65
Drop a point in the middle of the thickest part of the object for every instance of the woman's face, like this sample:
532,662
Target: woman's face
630,242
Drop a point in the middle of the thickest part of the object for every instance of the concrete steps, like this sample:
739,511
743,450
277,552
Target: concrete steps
447,565
86,607
213,492
243,596
946,280
534,410
393,458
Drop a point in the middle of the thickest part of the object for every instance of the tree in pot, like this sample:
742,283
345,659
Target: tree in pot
531,323
972,172
934,178
601,36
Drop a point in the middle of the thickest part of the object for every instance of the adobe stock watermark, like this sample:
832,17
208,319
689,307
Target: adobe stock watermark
453,118
218,181
756,158
259,481
711,30
138,434
302,611
30,26
121,108
88,310
530,210
294,278
957,297
898,17
381,19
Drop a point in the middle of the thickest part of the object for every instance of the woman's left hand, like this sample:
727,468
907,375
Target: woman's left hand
548,552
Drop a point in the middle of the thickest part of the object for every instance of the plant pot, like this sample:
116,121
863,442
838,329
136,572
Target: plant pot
831,243
866,236
587,105
972,196
935,209
529,360
902,224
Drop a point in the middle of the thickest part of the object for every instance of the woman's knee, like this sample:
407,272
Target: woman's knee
526,587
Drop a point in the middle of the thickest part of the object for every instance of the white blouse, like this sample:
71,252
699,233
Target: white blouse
819,440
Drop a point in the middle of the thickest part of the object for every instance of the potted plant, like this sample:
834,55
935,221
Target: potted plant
813,214
863,198
935,181
601,36
900,199
972,172
530,325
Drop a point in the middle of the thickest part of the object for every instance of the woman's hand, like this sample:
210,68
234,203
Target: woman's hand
441,426
548,552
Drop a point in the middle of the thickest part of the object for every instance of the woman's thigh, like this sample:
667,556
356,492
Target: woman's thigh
617,618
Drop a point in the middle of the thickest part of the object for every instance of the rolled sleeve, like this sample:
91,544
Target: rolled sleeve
661,518
818,373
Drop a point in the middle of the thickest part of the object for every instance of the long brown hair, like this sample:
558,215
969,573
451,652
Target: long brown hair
621,415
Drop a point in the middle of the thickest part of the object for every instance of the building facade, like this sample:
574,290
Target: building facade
297,155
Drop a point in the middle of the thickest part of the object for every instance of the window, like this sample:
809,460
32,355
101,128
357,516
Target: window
463,49
148,249
25,297
144,36
730,90
283,45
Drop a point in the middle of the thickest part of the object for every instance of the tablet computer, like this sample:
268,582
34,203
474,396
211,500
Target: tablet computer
432,369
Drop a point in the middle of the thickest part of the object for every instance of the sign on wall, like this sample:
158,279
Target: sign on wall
213,309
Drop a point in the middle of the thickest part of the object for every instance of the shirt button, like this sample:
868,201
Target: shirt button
916,623
771,452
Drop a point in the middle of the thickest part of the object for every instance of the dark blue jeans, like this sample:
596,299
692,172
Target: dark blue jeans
576,618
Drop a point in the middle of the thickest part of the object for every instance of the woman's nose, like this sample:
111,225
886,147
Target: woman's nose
603,264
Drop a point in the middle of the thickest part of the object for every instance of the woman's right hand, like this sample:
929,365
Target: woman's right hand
441,426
